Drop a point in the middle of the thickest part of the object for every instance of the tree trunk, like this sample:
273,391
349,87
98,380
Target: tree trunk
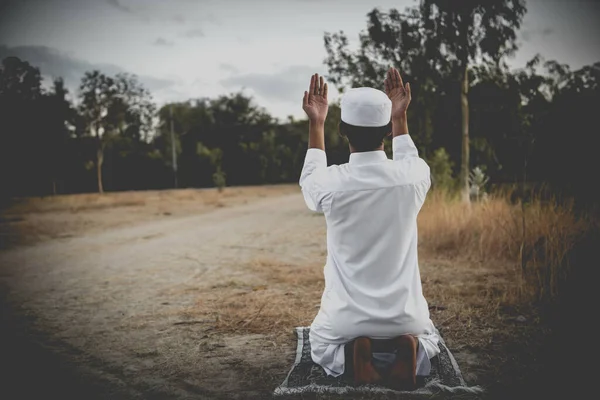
464,167
99,160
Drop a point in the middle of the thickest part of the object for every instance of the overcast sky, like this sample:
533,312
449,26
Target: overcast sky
185,49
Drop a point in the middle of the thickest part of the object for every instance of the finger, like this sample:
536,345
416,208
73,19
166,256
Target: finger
311,87
321,86
399,78
390,78
316,86
305,99
386,83
325,91
408,89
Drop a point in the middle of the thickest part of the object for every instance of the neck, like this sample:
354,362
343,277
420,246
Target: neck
353,150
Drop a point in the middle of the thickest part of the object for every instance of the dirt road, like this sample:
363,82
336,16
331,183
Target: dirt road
110,311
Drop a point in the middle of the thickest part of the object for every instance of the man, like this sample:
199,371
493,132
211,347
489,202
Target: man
372,281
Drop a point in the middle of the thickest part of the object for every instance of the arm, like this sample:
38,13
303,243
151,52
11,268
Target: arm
402,144
403,147
315,105
400,95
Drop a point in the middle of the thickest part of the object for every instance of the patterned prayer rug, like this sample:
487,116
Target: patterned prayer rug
308,377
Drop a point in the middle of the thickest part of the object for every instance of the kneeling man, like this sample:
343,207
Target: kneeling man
373,299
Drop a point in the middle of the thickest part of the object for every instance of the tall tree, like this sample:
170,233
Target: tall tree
118,106
97,95
133,110
59,117
469,31
391,39
20,96
19,80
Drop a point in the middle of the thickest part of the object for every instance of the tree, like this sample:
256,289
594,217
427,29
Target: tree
441,170
20,96
118,106
392,39
97,94
565,152
59,122
133,110
19,80
467,32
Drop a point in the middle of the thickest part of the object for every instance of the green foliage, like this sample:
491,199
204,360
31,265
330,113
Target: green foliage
441,171
528,125
112,107
433,44
219,179
467,30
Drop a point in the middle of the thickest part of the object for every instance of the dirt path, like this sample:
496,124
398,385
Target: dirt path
118,302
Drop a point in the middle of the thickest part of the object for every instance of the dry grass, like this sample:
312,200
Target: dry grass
34,219
532,239
268,303
111,200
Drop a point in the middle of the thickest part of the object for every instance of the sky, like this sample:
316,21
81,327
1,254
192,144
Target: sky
182,49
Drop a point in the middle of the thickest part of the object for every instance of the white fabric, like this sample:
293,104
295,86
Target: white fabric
366,106
372,279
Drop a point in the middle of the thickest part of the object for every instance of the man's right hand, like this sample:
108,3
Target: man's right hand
398,93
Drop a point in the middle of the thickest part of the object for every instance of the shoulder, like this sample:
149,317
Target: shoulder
328,179
410,170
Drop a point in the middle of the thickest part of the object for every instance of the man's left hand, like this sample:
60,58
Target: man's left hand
314,102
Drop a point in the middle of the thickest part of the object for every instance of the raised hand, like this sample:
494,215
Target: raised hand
314,102
397,92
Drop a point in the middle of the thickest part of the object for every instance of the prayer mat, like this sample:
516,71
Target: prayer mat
308,377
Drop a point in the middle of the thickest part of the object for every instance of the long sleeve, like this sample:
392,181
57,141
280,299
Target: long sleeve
315,165
403,147
405,152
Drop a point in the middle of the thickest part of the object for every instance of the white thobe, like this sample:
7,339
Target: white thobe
372,280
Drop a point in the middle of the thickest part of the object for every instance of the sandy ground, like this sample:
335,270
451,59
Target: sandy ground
116,300
106,297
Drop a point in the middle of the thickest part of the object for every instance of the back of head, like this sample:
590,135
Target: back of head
365,118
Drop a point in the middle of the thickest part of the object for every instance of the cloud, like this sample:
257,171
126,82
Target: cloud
179,18
117,4
193,33
529,34
287,85
163,42
229,68
53,63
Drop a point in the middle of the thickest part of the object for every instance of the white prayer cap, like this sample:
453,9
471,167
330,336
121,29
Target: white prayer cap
365,106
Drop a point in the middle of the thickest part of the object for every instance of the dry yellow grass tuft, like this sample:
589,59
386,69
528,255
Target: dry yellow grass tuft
269,306
533,238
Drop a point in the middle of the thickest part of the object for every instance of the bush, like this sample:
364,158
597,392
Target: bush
535,238
219,179
441,171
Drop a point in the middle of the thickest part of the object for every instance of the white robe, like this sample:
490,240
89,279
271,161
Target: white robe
372,279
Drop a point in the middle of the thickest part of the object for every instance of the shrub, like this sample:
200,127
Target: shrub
441,171
534,238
